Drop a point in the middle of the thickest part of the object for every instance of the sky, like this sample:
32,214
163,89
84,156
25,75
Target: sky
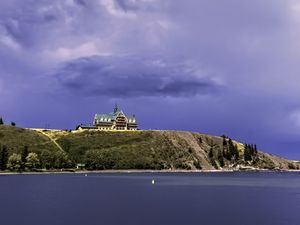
218,67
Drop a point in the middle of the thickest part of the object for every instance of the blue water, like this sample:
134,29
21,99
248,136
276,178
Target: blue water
129,199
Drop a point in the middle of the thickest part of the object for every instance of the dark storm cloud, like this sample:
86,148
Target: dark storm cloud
127,77
142,5
81,2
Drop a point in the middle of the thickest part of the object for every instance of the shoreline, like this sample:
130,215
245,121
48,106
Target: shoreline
140,171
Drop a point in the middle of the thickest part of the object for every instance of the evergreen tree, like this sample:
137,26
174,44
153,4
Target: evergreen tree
231,150
200,140
1,121
251,149
237,153
225,147
255,150
224,140
221,159
3,158
211,154
24,156
13,124
250,152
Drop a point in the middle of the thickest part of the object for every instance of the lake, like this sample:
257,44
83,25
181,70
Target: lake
237,198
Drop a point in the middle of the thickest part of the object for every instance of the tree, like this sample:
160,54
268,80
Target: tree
23,156
55,159
236,152
104,159
47,159
233,152
200,140
246,153
255,150
1,121
221,158
32,160
13,124
211,153
3,158
14,162
224,140
61,160
227,148
250,152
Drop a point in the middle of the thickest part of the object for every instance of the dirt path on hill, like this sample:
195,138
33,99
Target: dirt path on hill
51,139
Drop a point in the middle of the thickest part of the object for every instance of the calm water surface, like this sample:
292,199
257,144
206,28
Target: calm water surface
131,199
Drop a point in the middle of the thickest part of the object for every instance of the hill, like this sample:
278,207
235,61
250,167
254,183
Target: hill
137,150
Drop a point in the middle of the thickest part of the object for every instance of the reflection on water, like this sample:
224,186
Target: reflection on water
173,198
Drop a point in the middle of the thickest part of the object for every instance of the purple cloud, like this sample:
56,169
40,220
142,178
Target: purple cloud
232,64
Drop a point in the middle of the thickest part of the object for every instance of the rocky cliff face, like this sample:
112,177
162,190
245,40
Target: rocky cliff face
208,152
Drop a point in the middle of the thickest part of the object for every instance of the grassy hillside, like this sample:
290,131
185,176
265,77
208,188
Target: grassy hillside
137,149
140,149
16,138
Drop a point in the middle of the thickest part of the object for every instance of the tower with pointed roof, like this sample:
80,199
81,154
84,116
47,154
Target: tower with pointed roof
116,109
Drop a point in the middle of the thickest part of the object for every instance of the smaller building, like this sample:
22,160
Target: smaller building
86,127
80,166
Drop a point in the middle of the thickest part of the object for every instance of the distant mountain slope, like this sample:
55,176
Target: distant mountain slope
140,149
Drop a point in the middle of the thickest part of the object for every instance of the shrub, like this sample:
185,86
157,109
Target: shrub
14,162
32,161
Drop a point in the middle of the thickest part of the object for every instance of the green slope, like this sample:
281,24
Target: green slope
136,149
16,138
139,149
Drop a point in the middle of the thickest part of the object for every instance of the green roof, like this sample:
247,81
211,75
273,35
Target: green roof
105,117
131,119
112,116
